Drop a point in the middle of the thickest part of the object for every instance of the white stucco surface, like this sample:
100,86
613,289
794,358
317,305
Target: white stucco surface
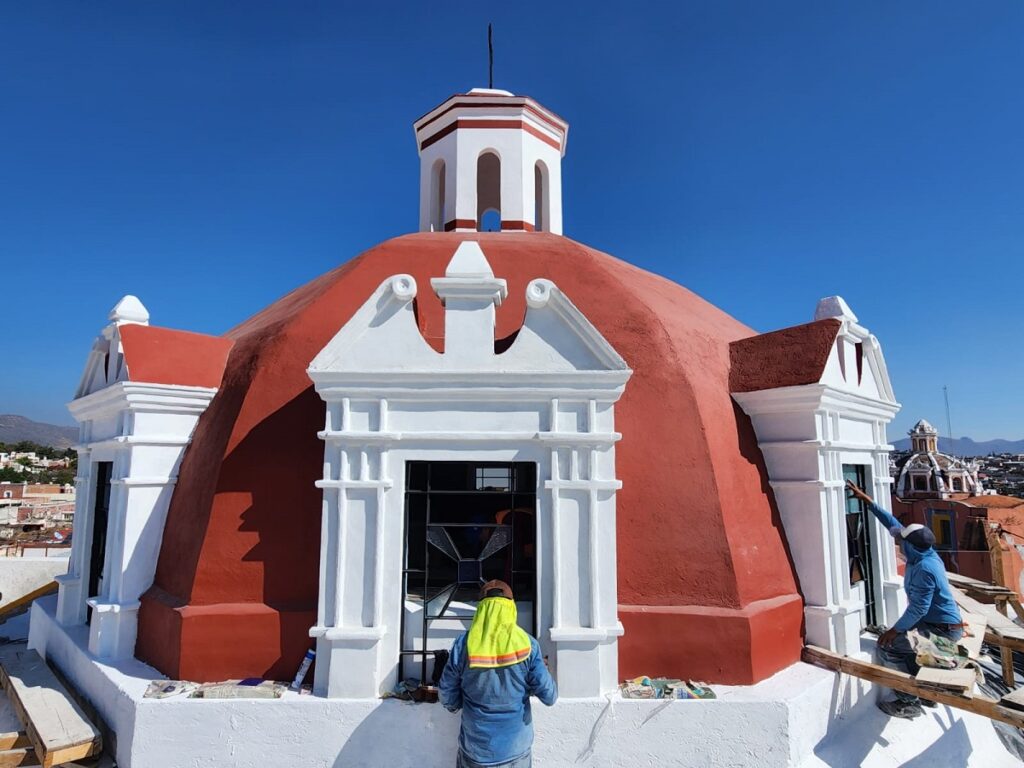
802,717
21,575
391,399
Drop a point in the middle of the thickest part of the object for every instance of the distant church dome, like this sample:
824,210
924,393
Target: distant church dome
926,472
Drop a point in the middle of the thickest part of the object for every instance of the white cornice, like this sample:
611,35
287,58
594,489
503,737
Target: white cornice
810,397
472,386
556,438
141,397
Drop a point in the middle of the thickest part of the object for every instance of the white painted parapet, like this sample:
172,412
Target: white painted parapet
390,398
806,434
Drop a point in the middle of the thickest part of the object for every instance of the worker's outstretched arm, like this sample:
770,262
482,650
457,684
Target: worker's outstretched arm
538,680
885,518
449,688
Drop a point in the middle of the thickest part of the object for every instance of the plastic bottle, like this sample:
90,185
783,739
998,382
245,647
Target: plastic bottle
307,661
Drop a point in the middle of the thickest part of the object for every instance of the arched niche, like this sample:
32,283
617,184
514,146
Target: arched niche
437,196
541,198
488,186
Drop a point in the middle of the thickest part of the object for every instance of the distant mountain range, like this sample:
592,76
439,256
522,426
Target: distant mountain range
14,429
964,446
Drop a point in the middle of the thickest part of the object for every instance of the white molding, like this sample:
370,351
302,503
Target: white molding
142,429
349,633
141,397
387,393
806,433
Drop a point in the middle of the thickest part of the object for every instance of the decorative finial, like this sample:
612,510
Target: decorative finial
490,58
834,306
129,310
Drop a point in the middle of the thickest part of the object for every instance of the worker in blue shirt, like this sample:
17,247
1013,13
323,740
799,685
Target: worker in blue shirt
931,608
492,671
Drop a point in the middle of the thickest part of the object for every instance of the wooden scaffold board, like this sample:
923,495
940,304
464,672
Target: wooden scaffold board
901,681
57,729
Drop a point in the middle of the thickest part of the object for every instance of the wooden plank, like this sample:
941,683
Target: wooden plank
997,623
974,633
19,756
1015,604
901,681
960,680
1006,657
1001,605
20,605
14,740
973,585
1014,699
56,726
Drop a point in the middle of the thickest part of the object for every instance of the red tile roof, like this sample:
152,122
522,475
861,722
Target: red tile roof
992,502
785,358
165,356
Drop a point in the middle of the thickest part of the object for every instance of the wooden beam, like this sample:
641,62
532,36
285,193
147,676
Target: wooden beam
1015,604
19,756
995,552
13,608
998,625
14,740
901,681
55,725
1006,657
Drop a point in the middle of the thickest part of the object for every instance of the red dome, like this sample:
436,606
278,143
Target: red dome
706,589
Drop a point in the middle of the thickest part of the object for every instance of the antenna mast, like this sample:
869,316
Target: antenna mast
949,424
490,58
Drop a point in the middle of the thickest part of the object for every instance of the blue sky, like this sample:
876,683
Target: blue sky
210,156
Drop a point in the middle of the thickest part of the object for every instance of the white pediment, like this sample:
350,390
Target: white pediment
855,363
105,364
382,336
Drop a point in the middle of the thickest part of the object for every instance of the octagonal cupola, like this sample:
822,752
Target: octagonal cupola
490,160
924,437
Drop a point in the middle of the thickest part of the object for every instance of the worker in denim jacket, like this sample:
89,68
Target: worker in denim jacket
931,608
491,673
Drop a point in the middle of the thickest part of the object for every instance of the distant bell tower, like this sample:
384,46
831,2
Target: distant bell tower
490,152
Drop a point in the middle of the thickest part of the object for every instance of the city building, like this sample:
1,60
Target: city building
946,494
927,473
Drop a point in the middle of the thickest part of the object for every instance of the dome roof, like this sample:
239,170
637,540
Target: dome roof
705,587
923,428
934,471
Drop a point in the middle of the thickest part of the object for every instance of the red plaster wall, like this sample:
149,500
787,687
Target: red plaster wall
697,526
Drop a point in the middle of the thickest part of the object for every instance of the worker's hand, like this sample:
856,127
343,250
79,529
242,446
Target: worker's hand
887,638
856,491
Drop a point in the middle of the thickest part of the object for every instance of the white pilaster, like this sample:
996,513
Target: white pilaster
806,434
143,430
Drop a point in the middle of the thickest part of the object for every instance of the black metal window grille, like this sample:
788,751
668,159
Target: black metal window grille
858,541
465,524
